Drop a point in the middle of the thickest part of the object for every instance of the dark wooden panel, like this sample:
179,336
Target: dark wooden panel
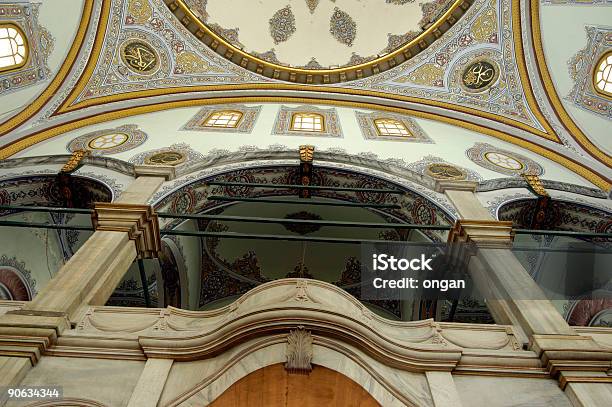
272,386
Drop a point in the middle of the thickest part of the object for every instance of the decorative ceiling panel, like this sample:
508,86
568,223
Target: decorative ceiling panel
146,48
317,42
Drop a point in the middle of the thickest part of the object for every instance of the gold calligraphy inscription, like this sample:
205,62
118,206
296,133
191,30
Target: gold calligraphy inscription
479,76
139,57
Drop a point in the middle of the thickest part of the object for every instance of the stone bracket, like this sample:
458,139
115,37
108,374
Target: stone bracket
566,378
140,222
482,233
573,358
166,172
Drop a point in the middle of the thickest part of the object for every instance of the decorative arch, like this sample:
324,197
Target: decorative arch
225,277
560,215
53,190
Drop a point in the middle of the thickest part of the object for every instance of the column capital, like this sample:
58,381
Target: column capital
455,185
167,172
573,358
482,233
138,221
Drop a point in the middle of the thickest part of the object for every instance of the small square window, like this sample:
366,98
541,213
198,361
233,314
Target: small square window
307,122
392,128
226,119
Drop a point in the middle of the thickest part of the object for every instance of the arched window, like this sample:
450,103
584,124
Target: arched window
602,75
307,122
13,47
391,127
227,119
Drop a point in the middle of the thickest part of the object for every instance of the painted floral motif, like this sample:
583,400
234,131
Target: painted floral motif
342,27
191,63
581,66
282,25
427,75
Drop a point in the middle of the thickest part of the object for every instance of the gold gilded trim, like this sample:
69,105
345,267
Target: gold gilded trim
91,64
590,175
331,75
63,72
93,57
549,86
521,65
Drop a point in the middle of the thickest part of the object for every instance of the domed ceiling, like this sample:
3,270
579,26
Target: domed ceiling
326,37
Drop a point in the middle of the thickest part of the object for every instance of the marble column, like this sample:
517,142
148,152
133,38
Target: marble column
94,271
519,301
581,365
88,278
151,383
443,390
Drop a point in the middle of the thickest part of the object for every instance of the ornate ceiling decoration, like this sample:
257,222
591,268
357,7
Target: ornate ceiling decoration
318,42
96,84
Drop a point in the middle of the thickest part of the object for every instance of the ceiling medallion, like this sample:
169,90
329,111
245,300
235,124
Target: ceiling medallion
302,228
140,57
109,141
342,26
502,161
480,75
171,158
443,171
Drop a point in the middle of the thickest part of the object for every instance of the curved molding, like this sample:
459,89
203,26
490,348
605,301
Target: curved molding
112,164
400,177
67,402
386,389
329,313
573,164
316,76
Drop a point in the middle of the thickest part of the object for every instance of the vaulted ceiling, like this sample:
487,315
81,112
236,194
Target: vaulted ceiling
398,57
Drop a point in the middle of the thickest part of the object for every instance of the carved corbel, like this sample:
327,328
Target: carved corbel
167,172
467,236
573,358
482,233
138,221
299,351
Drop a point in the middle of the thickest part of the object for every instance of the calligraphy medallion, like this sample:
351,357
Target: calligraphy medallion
479,76
139,57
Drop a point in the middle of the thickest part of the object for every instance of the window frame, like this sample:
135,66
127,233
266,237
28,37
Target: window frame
220,113
607,54
295,115
395,122
26,45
